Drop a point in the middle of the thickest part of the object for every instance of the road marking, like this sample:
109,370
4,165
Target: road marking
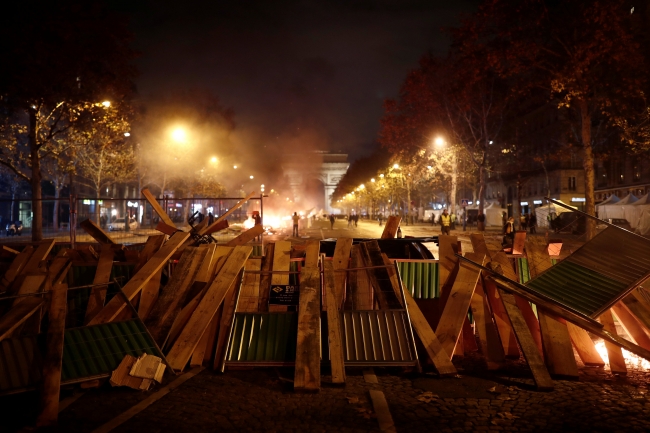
125,416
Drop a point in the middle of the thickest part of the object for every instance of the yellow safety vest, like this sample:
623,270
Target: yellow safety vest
446,220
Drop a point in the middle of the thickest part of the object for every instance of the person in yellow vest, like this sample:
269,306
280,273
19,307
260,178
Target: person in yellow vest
445,222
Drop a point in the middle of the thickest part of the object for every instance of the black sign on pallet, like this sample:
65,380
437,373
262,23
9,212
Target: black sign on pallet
284,294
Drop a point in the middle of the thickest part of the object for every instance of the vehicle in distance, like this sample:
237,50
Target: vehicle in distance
118,224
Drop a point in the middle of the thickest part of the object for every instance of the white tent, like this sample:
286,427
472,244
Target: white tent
643,223
543,211
493,214
618,209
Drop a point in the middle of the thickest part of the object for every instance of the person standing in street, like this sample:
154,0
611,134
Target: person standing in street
295,219
332,219
532,223
509,231
445,222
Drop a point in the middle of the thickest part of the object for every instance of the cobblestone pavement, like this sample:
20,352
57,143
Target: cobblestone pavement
263,400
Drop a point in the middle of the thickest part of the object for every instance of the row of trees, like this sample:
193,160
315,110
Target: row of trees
67,114
585,58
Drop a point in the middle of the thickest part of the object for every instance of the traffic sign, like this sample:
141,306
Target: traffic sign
464,202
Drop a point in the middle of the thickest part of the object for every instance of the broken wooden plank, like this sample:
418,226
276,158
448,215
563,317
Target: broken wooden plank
341,260
157,208
140,279
221,225
614,353
455,310
281,262
334,332
247,236
519,242
441,360
584,345
360,289
390,229
210,228
173,295
491,345
18,314
102,276
631,325
190,336
49,399
7,251
96,232
308,345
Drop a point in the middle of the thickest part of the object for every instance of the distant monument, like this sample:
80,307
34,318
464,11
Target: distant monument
313,177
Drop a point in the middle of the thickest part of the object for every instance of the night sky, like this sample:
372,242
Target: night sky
298,74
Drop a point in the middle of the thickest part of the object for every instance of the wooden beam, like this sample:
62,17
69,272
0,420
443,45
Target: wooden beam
308,345
334,332
157,208
312,253
229,306
485,328
519,242
184,346
174,293
18,314
524,306
149,295
246,236
140,279
447,264
379,277
556,342
49,401
584,346
102,276
250,292
440,358
17,265
614,353
527,342
455,310
360,289
41,253
166,229
281,262
501,320
390,229
638,305
341,260
209,228
96,232
265,278
631,325
221,225
9,251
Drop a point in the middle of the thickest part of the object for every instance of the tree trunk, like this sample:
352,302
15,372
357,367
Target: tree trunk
35,165
588,166
454,182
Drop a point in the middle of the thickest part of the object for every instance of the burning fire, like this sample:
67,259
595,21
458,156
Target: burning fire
631,360
272,221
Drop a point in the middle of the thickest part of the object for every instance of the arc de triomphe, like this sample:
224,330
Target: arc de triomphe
313,177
